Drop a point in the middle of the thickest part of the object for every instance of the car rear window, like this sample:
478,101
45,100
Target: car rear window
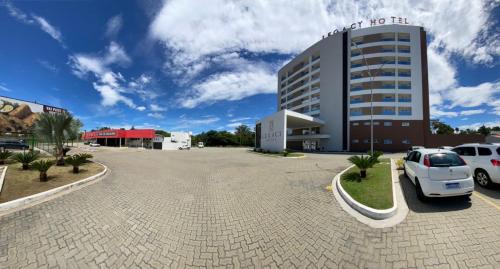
445,160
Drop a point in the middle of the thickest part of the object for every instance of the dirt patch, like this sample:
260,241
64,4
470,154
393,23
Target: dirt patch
20,183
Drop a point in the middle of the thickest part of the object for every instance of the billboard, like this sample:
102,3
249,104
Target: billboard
19,116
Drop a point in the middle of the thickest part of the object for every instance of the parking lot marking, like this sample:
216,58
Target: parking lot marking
488,201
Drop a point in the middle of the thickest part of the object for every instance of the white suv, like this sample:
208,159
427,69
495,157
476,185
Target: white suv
438,173
484,161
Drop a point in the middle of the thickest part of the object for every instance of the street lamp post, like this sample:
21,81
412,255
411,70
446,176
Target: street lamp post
371,92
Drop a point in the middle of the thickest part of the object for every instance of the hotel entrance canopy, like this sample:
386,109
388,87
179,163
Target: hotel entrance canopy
271,131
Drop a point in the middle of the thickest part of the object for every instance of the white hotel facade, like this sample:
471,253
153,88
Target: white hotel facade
324,94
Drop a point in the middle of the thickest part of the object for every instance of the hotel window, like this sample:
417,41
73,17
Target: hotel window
387,123
406,141
405,111
366,141
366,123
387,141
375,123
355,124
355,141
405,124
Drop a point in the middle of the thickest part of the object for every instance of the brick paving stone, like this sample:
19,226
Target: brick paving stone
228,208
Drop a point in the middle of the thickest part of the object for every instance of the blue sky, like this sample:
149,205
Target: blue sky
192,65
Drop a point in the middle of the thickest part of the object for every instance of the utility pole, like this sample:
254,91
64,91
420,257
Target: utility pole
371,91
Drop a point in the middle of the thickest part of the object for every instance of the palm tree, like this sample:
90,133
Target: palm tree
26,158
4,155
363,163
42,166
55,128
76,160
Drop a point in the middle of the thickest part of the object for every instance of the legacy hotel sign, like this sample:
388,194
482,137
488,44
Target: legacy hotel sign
373,22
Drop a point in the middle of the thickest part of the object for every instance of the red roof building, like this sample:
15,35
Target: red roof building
118,137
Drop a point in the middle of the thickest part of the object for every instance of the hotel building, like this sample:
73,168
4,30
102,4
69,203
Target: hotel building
328,94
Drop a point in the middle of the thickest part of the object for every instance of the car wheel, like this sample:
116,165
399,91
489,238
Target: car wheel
404,172
483,179
420,194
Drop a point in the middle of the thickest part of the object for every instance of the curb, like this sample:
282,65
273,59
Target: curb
374,218
32,200
2,177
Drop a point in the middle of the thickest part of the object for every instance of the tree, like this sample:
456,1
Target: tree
42,166
442,128
484,130
55,128
363,163
74,130
244,135
162,133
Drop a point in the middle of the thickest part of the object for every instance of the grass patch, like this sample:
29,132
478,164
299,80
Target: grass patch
375,190
21,183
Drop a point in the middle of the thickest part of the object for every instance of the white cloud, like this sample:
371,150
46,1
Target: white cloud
113,26
4,88
48,28
472,112
157,108
109,83
34,19
482,94
223,31
231,86
47,65
156,115
240,119
234,124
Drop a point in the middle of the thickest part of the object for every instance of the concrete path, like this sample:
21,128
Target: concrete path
230,208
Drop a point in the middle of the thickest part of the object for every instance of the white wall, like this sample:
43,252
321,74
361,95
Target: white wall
273,132
176,140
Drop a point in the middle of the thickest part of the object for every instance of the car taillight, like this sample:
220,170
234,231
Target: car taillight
427,162
495,162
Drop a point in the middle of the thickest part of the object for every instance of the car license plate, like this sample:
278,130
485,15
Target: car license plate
453,185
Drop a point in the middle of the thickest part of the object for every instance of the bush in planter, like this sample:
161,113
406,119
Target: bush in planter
42,166
363,163
400,164
285,153
4,155
375,156
76,161
26,158
86,156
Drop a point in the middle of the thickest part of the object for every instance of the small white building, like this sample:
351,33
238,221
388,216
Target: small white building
177,140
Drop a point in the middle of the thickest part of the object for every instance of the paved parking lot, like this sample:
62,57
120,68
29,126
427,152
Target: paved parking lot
231,208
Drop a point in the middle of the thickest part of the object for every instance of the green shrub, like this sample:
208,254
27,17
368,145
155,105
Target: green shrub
42,166
375,156
363,163
76,161
86,156
285,152
26,158
4,155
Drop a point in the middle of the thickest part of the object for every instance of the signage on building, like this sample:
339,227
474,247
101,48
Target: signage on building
373,22
19,115
106,133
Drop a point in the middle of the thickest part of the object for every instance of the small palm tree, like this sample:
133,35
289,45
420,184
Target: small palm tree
4,155
42,166
363,163
26,158
76,160
55,128
375,156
